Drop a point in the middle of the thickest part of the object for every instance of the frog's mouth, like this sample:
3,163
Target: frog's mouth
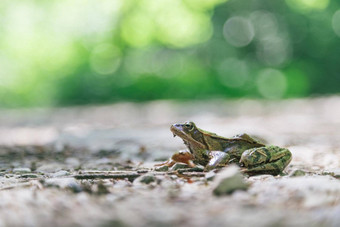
185,137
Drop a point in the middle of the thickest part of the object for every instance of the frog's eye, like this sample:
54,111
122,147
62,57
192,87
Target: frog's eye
189,126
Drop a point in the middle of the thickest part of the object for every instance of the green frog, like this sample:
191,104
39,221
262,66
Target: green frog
213,151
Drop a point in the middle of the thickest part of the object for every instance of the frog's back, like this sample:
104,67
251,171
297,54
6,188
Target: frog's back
239,142
246,138
241,138
237,145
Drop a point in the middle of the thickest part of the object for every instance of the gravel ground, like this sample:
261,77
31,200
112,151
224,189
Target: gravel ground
93,165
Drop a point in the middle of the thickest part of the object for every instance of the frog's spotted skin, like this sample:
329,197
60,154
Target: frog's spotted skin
268,159
213,151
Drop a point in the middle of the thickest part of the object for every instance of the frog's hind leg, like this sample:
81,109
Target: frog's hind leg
265,160
182,156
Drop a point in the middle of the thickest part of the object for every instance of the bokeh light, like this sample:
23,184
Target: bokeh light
336,22
233,72
238,31
271,83
105,58
78,52
265,23
170,22
308,5
273,51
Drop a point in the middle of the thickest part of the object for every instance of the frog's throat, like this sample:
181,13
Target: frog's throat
186,137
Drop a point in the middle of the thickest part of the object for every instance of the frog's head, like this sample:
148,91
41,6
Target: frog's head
190,134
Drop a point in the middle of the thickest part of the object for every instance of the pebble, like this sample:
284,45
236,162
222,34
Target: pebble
210,175
21,170
142,170
60,173
297,173
194,169
333,172
102,189
162,168
179,166
50,167
64,183
229,180
145,179
29,175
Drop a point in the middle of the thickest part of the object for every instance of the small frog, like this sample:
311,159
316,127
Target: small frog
212,151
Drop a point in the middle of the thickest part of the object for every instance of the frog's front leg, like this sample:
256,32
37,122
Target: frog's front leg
265,160
217,159
182,156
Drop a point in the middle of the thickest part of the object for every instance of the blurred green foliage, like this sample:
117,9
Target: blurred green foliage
66,52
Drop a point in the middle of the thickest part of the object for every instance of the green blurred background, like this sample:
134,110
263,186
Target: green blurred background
71,52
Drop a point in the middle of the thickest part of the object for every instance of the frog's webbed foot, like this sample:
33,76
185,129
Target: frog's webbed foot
168,163
217,159
182,156
265,160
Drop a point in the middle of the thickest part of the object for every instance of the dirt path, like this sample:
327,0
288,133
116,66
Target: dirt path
92,165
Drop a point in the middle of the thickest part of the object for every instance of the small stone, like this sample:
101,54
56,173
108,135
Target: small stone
162,168
297,173
194,169
60,173
197,169
210,175
29,175
333,172
21,170
102,189
142,170
64,183
49,168
114,222
146,179
179,166
229,180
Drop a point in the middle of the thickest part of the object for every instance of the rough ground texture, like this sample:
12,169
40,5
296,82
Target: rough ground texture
92,166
